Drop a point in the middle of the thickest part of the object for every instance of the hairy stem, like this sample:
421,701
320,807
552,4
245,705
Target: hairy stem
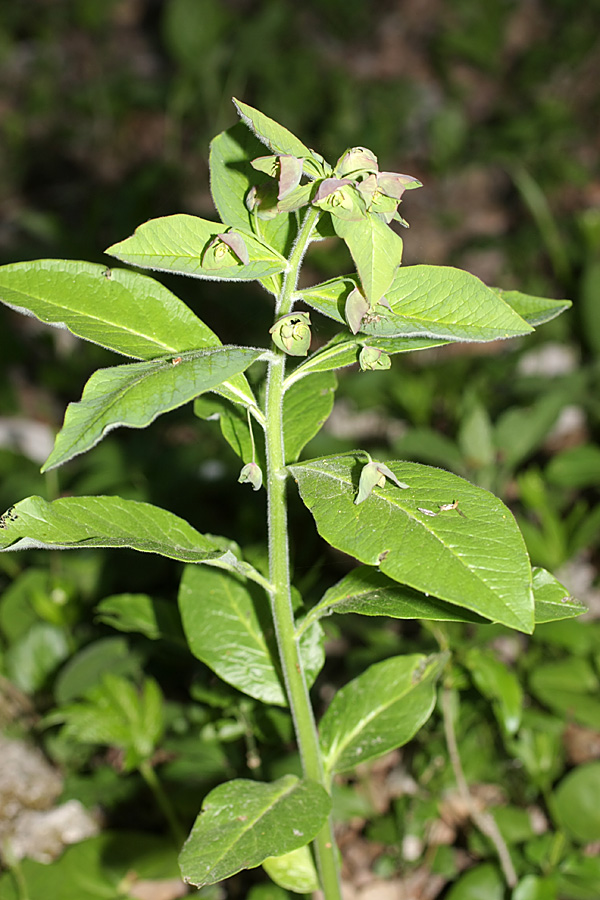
279,572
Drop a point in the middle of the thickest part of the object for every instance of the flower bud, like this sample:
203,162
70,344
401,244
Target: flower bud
339,197
357,307
356,161
292,334
225,250
374,475
252,474
370,359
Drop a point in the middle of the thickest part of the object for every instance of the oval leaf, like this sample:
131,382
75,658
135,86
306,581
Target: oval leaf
476,560
228,626
135,394
576,803
178,243
242,823
75,523
380,710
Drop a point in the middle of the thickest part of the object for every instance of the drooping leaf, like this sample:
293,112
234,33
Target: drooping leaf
151,616
477,560
271,133
134,395
228,626
367,592
380,710
242,823
376,251
552,600
306,406
178,244
75,523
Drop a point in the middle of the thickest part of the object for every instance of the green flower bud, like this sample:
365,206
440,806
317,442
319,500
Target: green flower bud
262,201
357,307
356,161
374,475
225,250
292,334
339,197
370,359
252,474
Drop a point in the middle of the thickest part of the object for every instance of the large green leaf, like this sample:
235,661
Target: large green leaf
232,176
477,560
177,244
228,626
134,395
437,302
376,251
271,133
127,312
242,823
306,406
380,710
75,523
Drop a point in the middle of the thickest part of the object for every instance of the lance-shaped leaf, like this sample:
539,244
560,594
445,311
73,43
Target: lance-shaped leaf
242,823
306,406
376,251
380,710
228,626
477,560
135,394
552,600
367,592
275,136
179,243
76,523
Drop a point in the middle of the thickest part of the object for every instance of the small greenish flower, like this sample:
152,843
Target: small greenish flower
225,250
356,161
292,334
357,307
252,474
370,358
374,475
262,201
339,197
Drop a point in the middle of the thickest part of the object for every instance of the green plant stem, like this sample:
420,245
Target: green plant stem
149,775
279,573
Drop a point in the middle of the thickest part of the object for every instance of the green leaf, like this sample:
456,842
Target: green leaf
228,626
483,880
127,312
477,561
116,714
36,655
135,394
576,805
535,310
233,421
275,136
177,244
497,683
306,406
376,251
86,668
242,823
150,616
368,592
232,176
532,887
569,687
76,523
575,468
380,710
295,871
552,600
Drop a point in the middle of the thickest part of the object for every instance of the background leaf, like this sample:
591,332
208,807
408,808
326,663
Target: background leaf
242,823
478,561
380,710
575,803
